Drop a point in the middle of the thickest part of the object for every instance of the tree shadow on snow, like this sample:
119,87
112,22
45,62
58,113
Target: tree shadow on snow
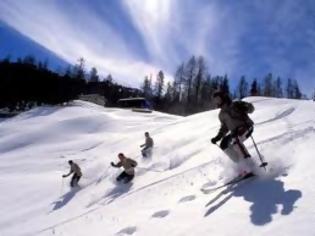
64,199
264,196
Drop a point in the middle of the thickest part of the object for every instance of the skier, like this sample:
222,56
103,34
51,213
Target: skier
76,170
129,168
147,146
236,127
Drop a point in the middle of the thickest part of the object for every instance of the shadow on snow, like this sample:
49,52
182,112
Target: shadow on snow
64,199
264,196
117,191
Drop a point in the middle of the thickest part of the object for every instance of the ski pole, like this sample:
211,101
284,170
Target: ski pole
263,163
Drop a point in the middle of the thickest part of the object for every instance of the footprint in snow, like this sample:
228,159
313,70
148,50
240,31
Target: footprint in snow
160,214
187,198
209,184
127,231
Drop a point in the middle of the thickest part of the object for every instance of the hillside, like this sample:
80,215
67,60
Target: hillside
165,197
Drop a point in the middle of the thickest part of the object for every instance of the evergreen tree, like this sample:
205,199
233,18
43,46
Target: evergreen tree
290,89
224,86
68,72
268,86
168,97
42,65
109,78
190,74
147,87
278,88
29,60
216,83
179,82
296,90
93,75
79,71
242,89
254,91
206,90
7,59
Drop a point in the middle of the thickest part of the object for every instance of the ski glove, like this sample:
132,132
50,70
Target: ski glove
64,176
113,165
215,139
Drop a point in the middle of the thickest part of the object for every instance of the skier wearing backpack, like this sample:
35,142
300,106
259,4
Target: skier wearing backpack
129,168
77,174
236,127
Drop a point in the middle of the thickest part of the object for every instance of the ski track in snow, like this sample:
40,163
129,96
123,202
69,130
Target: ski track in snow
165,197
278,116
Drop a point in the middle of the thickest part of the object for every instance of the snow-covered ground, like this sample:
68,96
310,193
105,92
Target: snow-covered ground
165,197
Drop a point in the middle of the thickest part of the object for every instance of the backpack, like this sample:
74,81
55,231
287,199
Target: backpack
244,107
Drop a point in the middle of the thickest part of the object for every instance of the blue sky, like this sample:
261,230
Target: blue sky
134,38
14,45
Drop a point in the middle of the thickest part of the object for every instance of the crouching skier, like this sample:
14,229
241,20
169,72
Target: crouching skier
236,127
129,168
77,174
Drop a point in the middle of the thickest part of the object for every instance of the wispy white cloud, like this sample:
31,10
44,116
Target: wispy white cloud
175,30
72,36
153,21
171,31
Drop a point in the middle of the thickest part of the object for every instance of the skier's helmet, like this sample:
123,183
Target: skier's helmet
221,98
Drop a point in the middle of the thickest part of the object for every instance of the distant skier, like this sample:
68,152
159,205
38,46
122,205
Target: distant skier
129,168
236,127
147,146
76,170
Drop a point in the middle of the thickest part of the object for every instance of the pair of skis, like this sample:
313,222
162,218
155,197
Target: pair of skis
239,178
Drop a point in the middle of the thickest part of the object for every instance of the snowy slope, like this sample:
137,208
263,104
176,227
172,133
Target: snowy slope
165,198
